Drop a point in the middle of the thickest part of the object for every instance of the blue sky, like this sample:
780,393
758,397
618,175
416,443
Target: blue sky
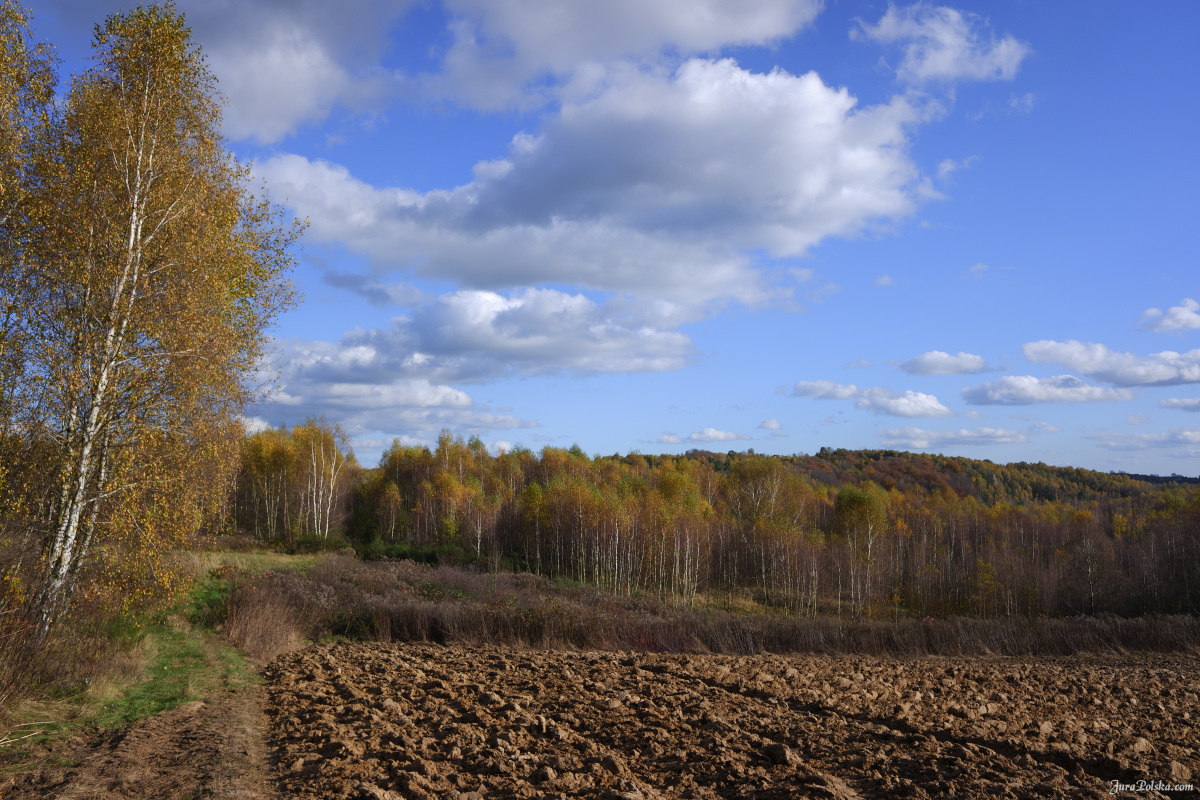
778,225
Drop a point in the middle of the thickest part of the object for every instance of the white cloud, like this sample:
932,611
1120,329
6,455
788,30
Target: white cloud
524,53
470,336
1139,419
825,390
390,404
1167,368
1189,404
908,404
714,435
1183,317
399,378
1020,390
1176,437
885,280
474,335
499,447
875,399
922,439
254,424
978,271
668,438
943,44
936,362
771,424
281,64
661,185
949,166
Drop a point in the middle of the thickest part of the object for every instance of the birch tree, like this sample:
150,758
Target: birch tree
160,274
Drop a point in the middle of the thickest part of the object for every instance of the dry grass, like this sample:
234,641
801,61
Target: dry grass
405,601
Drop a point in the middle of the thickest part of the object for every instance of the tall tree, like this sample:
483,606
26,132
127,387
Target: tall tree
27,80
161,272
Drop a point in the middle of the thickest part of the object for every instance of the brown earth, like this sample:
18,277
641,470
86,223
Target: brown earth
425,721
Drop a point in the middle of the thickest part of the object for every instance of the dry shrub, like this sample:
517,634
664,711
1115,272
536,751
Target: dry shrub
81,658
261,623
406,601
16,657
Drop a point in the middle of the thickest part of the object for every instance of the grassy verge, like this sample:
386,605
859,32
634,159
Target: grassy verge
135,667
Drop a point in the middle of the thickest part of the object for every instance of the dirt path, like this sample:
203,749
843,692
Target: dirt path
197,750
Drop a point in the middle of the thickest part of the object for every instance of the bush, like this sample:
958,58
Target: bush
314,543
409,601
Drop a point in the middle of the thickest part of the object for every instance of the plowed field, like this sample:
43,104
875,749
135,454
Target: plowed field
424,721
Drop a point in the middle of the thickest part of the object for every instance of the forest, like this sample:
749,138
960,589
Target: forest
867,534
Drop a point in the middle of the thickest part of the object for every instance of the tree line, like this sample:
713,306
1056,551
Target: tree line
861,533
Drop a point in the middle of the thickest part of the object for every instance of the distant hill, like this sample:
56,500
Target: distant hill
984,480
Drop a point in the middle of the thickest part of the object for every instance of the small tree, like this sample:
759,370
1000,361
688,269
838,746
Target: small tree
861,517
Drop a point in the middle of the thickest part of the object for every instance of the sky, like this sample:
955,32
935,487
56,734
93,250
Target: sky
658,225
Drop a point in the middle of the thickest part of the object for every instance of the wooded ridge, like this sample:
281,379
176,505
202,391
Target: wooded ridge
872,533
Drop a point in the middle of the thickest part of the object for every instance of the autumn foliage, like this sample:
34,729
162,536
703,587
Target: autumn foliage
866,534
139,275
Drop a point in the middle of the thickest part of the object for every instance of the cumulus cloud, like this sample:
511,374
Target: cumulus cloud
885,280
825,390
978,271
922,439
399,378
936,362
771,424
475,335
668,438
1167,368
943,44
1183,317
906,404
661,184
523,53
714,435
346,384
470,336
282,64
1189,404
1021,390
1176,437
875,399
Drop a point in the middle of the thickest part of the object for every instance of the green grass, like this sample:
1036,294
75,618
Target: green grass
186,664
155,662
